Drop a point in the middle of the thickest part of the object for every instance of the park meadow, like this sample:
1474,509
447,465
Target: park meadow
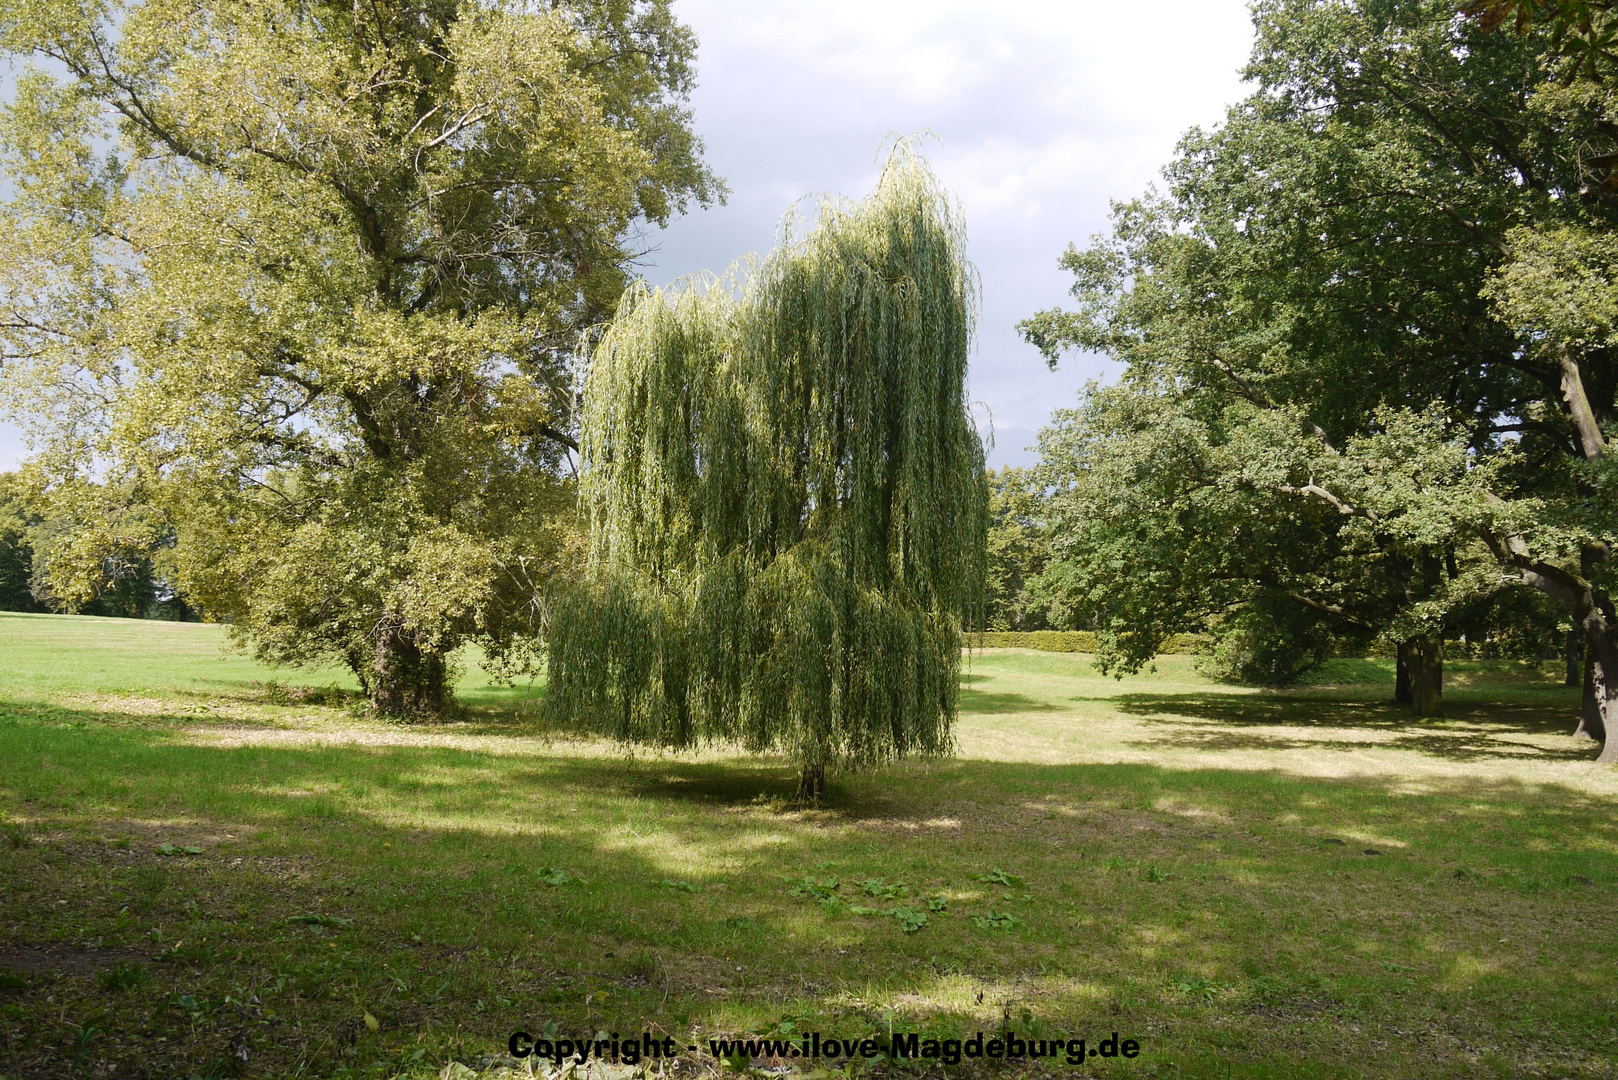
434,648
212,868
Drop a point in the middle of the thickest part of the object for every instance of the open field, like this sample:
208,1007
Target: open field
206,873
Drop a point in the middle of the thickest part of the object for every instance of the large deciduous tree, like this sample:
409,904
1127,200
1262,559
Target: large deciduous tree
787,498
307,279
1342,329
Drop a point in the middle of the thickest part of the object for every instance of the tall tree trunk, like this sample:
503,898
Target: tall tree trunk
1590,725
1591,609
1419,675
1425,663
811,784
1402,694
406,681
1600,702
1576,651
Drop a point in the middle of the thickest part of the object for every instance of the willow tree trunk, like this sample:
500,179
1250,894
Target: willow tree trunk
1422,677
811,784
405,680
1575,653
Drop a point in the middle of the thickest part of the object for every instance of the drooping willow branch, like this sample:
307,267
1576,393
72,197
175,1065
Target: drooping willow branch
786,495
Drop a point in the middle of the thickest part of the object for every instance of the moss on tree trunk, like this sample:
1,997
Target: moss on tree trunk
406,680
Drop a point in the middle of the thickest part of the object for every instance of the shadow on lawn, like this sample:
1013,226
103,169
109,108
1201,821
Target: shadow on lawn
275,782
1469,730
992,704
620,883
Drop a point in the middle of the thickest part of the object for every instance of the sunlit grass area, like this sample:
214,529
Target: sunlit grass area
61,657
211,868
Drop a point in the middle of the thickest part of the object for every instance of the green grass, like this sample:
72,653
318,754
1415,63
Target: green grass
1178,861
66,657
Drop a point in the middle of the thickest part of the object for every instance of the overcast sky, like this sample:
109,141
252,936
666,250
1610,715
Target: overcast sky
1046,111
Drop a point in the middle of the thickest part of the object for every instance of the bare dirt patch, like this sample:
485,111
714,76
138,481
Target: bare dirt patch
66,960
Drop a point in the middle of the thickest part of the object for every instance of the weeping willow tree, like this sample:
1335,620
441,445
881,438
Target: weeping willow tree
787,498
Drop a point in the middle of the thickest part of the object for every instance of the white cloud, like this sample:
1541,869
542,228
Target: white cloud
1047,112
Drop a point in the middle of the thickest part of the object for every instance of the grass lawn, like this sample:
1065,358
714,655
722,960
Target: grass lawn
213,869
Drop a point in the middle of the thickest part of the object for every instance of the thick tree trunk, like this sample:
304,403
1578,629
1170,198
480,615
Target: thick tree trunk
1402,694
1592,611
1600,712
1575,654
1590,725
406,681
1419,677
1425,660
811,784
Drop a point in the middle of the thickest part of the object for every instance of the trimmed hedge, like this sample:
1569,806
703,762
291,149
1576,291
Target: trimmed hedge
1073,641
1083,641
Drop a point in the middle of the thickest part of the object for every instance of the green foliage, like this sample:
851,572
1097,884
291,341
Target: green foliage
910,921
998,876
18,516
1583,32
882,890
1144,484
100,549
1269,642
1074,641
1559,286
996,920
303,283
1510,624
1325,436
786,497
1017,552
825,889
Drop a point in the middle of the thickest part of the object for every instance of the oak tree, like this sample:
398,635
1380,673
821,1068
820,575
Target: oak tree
1330,308
307,279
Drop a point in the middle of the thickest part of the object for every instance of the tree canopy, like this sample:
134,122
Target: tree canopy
786,497
307,279
1342,412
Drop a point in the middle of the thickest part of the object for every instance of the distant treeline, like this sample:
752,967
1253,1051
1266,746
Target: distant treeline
130,586
1029,604
1075,641
1084,641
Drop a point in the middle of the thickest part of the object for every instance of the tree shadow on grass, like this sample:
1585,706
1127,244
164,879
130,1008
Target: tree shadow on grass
558,915
1469,730
728,784
983,702
759,785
